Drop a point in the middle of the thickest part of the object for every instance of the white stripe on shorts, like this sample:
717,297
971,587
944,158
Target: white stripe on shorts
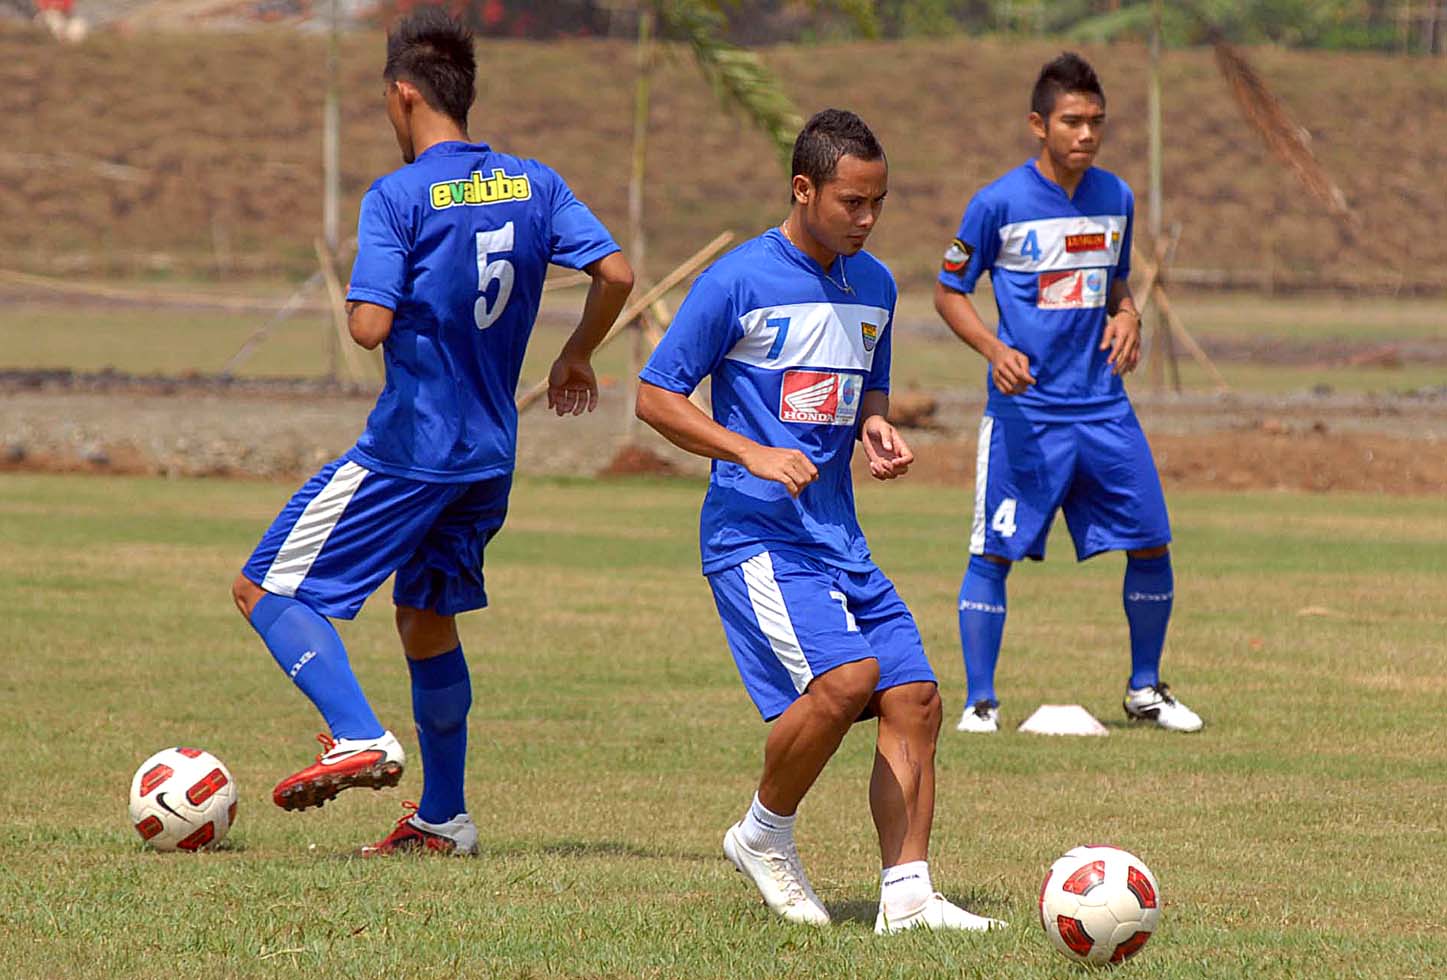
302,546
982,476
773,617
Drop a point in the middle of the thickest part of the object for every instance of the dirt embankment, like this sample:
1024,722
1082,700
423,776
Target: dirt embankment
283,429
201,154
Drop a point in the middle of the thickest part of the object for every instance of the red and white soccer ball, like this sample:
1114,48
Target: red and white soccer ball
182,800
1099,905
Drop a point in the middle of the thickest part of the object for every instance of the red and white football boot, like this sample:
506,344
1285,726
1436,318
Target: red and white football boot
342,764
413,835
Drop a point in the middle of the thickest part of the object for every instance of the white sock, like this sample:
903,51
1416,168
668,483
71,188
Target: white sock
905,887
764,830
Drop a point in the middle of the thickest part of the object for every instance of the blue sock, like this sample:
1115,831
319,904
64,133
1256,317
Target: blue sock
441,696
307,647
1148,593
982,625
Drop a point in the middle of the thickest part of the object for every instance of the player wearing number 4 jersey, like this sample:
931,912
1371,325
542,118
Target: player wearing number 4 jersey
795,329
1058,431
452,250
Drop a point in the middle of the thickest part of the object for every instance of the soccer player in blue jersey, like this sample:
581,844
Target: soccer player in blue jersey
451,256
794,327
1058,430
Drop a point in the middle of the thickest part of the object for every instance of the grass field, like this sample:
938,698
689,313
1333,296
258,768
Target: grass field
169,341
1302,834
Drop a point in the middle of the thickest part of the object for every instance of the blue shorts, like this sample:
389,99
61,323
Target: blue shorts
789,618
347,529
1100,473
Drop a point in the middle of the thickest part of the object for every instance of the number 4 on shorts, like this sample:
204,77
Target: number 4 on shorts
1003,523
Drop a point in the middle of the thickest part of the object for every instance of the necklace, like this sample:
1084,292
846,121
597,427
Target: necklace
842,283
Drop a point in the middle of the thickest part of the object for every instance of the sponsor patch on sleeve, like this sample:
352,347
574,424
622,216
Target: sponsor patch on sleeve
957,256
820,397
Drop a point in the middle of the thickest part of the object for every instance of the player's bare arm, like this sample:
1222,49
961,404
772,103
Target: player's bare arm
1122,335
572,386
368,323
888,454
680,422
1011,368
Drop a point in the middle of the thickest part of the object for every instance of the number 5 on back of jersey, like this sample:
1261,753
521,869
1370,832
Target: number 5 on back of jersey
490,243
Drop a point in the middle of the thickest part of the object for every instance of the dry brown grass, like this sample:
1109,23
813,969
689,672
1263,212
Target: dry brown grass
228,132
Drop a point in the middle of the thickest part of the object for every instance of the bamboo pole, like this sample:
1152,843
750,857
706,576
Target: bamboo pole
343,350
1179,330
630,313
636,179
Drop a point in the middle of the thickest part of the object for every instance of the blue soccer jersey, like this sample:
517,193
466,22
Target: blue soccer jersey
457,244
1052,259
791,352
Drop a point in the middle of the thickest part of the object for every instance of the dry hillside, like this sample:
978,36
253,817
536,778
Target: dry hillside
182,155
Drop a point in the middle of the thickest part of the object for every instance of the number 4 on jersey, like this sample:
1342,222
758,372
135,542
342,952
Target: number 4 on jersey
489,270
1031,246
1003,523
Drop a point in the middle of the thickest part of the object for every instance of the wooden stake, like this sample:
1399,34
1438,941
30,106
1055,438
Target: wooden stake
1179,330
630,313
341,336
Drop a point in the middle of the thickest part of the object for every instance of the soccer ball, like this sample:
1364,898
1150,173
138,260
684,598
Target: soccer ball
182,799
1099,904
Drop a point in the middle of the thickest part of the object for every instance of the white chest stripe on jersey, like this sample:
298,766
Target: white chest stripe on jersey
841,336
1052,244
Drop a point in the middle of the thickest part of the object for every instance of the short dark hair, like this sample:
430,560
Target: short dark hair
826,137
434,52
1067,73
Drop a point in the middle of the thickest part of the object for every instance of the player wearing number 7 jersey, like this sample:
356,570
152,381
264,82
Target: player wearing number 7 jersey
452,250
795,328
1059,431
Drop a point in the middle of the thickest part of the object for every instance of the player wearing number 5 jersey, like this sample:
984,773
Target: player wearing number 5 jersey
452,250
795,329
1059,432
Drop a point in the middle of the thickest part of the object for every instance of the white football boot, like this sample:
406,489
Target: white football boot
780,878
937,912
1156,703
980,717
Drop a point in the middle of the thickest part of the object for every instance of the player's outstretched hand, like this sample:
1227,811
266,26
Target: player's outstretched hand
787,466
572,388
888,454
1011,370
1123,338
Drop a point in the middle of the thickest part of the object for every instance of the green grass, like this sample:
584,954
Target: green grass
1237,316
1301,834
178,341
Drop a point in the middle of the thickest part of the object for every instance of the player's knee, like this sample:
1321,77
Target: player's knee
844,691
1149,552
916,706
246,594
425,633
926,706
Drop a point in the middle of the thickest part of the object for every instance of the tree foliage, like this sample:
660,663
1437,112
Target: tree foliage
1341,24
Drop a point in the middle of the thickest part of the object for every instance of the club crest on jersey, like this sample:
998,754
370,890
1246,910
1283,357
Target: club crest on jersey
1076,289
871,334
476,190
820,397
957,256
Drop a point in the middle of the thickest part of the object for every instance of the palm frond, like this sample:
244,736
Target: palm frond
1133,22
1285,137
738,77
864,14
